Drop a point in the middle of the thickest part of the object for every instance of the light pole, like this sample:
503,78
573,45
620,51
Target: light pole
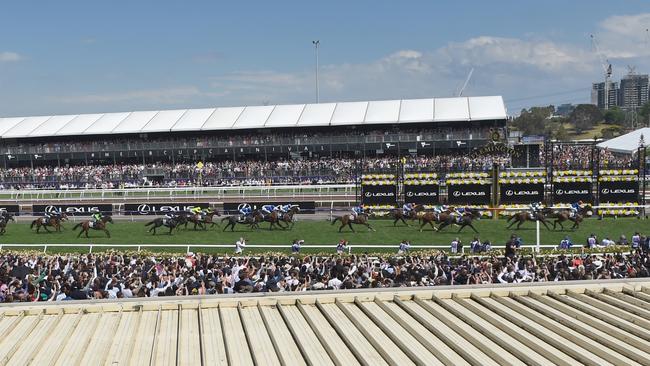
642,165
316,44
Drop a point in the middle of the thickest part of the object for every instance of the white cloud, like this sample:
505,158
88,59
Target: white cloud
10,57
625,36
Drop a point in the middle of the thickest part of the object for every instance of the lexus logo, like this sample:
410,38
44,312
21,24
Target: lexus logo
144,209
509,192
457,194
49,209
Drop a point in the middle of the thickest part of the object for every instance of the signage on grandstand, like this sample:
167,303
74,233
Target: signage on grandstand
232,208
422,194
160,208
571,192
12,209
379,195
513,193
619,191
473,194
73,210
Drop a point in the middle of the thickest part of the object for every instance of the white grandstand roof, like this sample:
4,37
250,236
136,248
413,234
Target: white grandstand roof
628,143
255,117
554,323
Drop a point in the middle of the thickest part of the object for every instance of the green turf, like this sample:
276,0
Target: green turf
322,232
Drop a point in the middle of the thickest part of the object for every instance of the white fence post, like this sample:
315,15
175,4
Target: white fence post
45,249
91,248
537,236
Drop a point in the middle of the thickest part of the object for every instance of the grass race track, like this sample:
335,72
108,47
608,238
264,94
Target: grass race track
320,232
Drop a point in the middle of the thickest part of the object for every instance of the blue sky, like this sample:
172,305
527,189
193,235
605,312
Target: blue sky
82,57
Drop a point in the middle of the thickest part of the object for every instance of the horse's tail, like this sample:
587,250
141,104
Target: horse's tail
76,226
33,223
335,220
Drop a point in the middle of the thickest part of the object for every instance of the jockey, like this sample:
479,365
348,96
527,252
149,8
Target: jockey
358,210
267,209
169,215
407,208
284,208
245,211
535,207
54,212
575,207
97,216
196,210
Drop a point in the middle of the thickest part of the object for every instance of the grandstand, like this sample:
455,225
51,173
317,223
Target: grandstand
545,324
361,129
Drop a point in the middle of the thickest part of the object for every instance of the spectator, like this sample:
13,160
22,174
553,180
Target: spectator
404,247
341,246
455,246
240,245
565,243
296,245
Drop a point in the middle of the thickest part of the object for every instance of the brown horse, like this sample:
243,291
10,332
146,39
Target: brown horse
274,218
398,214
4,220
288,217
428,217
99,225
565,215
360,219
521,217
54,221
447,219
203,220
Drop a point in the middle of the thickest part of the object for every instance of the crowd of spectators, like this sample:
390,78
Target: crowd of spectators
109,276
234,173
577,157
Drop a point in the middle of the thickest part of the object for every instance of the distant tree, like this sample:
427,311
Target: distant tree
585,116
533,121
561,133
614,116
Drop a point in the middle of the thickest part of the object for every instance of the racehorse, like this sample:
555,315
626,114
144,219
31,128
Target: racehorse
202,219
54,221
97,225
428,217
565,215
447,219
4,220
398,214
360,219
234,220
288,217
521,217
274,218
161,221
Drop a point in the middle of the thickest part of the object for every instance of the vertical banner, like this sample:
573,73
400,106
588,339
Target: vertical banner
422,189
570,191
521,193
619,191
379,190
469,193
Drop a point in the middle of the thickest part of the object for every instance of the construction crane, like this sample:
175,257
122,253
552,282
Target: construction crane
469,76
607,68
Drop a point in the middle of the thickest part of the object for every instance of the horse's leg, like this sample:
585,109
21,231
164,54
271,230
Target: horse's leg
351,228
519,224
472,226
405,223
370,227
395,222
86,231
108,235
46,229
512,223
80,232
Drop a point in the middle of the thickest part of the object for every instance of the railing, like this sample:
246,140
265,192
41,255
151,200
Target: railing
210,142
349,248
293,191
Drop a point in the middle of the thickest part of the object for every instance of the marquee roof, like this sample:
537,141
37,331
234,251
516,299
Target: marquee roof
254,117
570,323
628,143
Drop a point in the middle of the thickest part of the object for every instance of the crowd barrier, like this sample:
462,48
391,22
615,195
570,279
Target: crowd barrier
188,248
